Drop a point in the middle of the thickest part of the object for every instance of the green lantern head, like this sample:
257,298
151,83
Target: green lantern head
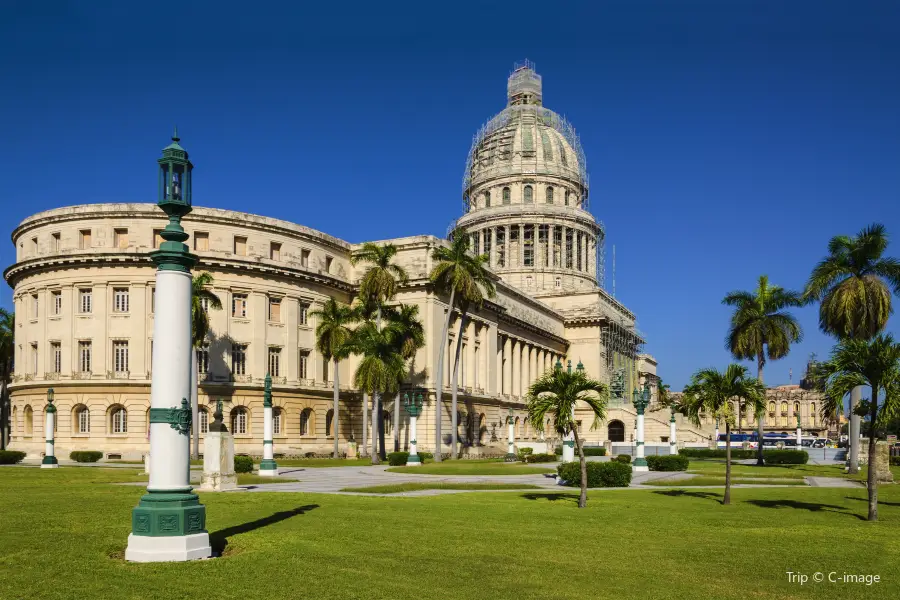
175,176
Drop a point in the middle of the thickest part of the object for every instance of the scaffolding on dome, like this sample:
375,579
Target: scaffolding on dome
622,344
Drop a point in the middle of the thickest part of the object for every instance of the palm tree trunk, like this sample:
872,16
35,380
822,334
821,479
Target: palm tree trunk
760,362
365,425
377,414
5,411
582,498
454,386
853,430
334,418
195,405
397,422
375,411
727,498
439,384
871,481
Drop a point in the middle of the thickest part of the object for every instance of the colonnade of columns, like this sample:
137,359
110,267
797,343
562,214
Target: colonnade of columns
543,246
519,364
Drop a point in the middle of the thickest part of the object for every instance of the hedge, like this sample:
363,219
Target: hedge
11,457
672,462
624,459
85,456
243,464
523,452
540,458
736,453
599,474
785,457
895,461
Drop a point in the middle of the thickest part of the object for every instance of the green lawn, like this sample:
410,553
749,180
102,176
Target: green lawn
717,467
252,478
711,480
473,467
321,462
397,488
64,533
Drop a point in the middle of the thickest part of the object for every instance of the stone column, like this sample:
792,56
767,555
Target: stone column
521,245
506,388
49,461
268,467
493,257
673,443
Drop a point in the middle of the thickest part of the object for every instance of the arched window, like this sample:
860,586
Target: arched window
239,420
770,417
118,419
487,199
743,420
550,195
387,423
276,421
506,197
28,415
82,419
529,194
567,197
306,417
784,414
796,409
482,426
526,432
518,429
329,423
204,420
615,431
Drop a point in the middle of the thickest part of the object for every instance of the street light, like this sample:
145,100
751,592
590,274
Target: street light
640,399
49,461
413,406
510,450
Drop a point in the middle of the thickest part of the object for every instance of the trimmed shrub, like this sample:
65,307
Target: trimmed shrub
785,457
397,459
672,462
540,458
624,459
594,451
523,452
895,461
736,453
599,474
243,464
558,451
85,456
11,457
426,456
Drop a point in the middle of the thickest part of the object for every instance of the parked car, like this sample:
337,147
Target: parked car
820,442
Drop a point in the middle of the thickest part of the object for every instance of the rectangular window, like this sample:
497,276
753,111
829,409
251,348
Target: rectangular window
201,241
35,305
501,247
204,421
304,364
275,310
57,303
275,251
529,245
274,361
120,300
157,238
120,356
54,242
34,246
34,359
56,356
84,421
240,246
84,356
239,359
276,421
304,258
239,306
203,359
120,238
304,314
328,261
84,239
84,301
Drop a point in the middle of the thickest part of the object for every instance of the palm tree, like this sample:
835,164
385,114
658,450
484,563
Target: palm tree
382,366
379,283
202,300
557,392
853,285
761,328
466,278
332,336
876,363
7,345
404,324
712,391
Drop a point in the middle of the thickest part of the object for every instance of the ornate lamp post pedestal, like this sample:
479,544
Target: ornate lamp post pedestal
268,467
169,523
511,433
414,408
218,456
640,400
50,461
673,443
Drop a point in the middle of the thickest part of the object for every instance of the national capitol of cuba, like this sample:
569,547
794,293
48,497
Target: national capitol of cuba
84,300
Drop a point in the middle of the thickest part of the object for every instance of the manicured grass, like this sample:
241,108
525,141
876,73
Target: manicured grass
709,480
415,486
473,467
717,467
321,462
63,537
252,478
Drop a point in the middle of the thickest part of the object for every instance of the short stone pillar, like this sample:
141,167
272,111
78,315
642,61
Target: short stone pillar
414,408
882,460
640,400
218,456
352,451
49,461
673,442
268,467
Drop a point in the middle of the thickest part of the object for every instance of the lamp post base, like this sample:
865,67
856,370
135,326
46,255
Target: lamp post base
268,468
413,460
49,465
640,465
177,548
268,472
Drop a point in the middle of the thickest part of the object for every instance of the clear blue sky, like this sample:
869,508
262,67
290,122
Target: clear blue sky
724,139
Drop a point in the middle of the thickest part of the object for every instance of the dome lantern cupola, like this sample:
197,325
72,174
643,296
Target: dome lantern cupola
524,85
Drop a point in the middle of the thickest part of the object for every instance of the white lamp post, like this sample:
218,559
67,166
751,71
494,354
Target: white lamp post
640,400
49,461
799,434
568,449
673,443
268,466
414,408
510,446
169,523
